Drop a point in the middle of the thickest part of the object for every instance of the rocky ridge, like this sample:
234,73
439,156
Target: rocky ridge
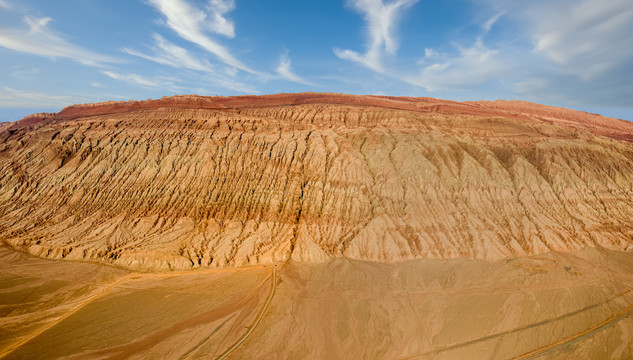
190,181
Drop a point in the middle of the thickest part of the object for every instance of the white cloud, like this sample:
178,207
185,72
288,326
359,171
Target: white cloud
22,72
190,23
585,37
532,86
490,23
469,67
4,4
180,84
285,71
173,55
569,52
12,98
381,21
232,84
464,68
39,40
141,81
219,23
227,78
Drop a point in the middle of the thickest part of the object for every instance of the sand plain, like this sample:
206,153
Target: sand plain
554,305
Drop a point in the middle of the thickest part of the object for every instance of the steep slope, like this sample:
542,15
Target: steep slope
194,181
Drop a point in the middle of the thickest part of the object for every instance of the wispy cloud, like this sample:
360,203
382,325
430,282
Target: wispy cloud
584,38
467,68
22,72
232,84
285,71
4,4
381,21
173,55
169,54
228,78
40,40
490,23
570,51
142,81
12,98
463,68
182,84
471,66
592,37
190,23
220,24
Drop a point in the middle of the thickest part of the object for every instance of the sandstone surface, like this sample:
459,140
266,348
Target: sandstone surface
193,182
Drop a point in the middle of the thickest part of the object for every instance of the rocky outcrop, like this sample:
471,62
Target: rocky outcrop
194,181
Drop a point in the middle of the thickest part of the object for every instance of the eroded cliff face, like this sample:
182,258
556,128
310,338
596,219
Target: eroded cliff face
191,181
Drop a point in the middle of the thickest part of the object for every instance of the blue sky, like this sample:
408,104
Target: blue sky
572,53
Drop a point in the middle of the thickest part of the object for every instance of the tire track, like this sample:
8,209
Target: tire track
585,333
614,318
132,276
44,328
273,286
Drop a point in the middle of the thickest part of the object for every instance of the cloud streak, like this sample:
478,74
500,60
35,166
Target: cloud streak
570,52
172,55
470,67
589,39
39,40
381,21
167,53
284,69
12,98
190,23
142,81
585,38
465,68
219,23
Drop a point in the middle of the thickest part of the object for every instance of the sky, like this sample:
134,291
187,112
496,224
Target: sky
572,53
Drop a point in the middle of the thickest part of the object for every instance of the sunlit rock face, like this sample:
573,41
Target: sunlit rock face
192,181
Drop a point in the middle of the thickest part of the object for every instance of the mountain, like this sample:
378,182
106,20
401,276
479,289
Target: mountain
319,226
193,182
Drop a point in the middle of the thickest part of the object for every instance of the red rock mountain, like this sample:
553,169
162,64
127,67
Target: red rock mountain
192,181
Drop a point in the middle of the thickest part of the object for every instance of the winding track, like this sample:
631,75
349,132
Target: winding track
273,285
626,312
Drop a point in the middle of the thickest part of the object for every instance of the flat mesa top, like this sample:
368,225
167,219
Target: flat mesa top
516,110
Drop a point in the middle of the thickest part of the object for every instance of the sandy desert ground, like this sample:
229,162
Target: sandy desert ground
550,306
